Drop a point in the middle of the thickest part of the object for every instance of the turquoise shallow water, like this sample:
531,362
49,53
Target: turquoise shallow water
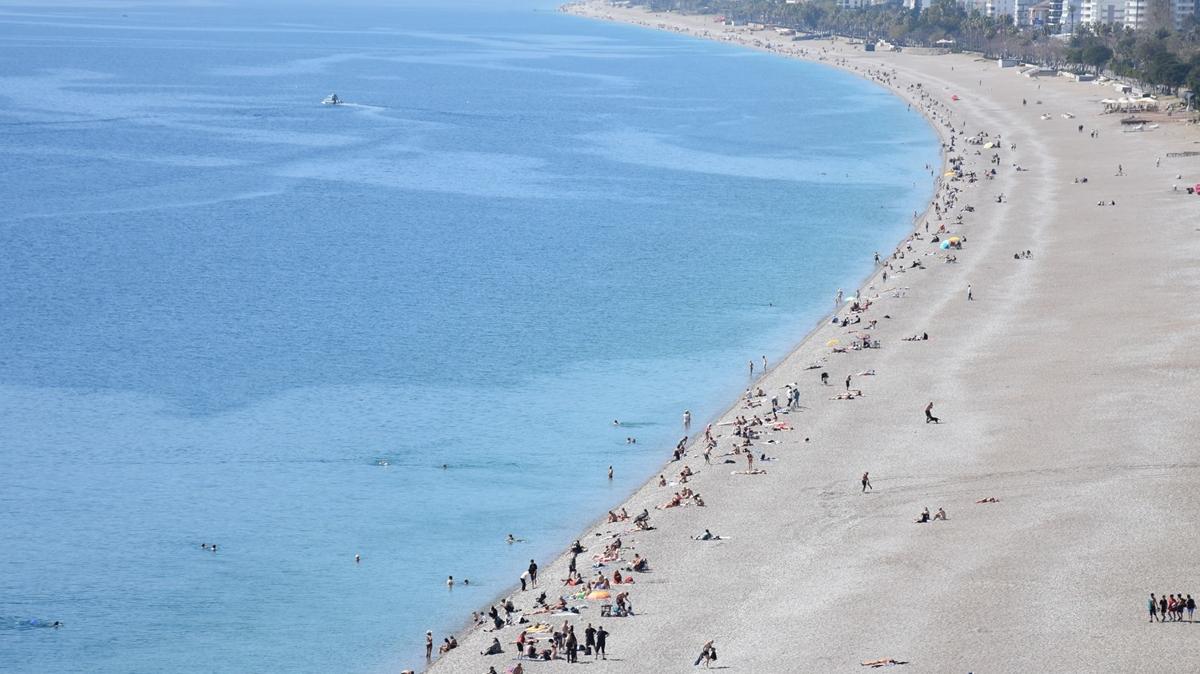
226,307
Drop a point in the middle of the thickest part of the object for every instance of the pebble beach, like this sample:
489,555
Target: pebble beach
1048,289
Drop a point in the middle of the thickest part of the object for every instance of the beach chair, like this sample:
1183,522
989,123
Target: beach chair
606,610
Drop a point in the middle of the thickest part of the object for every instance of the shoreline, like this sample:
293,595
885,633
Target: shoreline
868,281
787,368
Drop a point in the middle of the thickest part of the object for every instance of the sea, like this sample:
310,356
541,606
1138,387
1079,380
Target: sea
401,327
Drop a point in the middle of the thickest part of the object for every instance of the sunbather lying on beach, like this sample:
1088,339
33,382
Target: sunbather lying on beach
850,394
990,499
756,471
673,503
883,662
706,536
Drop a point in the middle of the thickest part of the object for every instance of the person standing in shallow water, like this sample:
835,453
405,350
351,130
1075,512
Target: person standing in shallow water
429,645
687,420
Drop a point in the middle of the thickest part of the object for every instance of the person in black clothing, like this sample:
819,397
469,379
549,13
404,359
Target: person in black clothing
929,414
589,638
533,572
601,638
572,646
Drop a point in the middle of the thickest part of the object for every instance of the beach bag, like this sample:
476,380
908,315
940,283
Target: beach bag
712,654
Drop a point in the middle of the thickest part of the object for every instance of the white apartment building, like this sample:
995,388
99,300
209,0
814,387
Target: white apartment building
1103,11
1137,12
998,8
1020,13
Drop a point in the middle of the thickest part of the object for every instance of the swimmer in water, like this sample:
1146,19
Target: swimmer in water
450,582
357,558
616,423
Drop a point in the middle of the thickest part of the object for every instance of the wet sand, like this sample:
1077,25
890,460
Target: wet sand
1065,389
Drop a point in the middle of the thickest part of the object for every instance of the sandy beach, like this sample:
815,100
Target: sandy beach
1064,389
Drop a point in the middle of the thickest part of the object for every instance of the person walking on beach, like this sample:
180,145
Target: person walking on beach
1190,605
970,295
601,641
1153,607
929,414
429,644
707,654
533,567
825,378
866,482
847,382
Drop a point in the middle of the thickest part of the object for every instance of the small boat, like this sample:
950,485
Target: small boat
332,99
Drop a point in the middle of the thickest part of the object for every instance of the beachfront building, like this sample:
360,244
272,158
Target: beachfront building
1020,12
1181,10
1039,14
1139,14
1071,16
998,8
1103,11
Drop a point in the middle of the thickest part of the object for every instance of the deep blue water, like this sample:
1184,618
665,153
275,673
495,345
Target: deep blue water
223,306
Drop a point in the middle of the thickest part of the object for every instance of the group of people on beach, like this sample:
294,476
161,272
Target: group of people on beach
1170,608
